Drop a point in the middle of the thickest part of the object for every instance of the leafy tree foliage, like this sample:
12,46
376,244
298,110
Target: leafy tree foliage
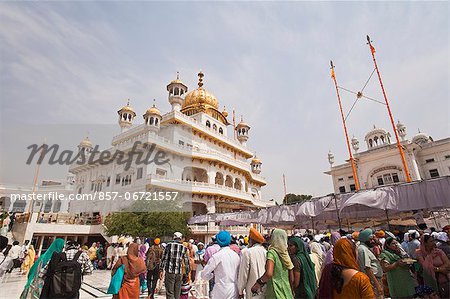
291,198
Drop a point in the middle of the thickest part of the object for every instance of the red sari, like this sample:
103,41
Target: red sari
134,266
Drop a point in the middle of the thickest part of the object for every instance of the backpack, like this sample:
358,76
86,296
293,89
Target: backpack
64,276
153,259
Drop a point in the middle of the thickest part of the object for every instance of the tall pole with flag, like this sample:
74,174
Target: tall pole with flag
352,160
399,146
284,184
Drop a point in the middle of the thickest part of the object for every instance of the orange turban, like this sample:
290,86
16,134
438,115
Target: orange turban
255,236
380,234
157,241
355,236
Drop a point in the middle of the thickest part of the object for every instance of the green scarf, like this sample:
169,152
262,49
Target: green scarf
56,246
308,270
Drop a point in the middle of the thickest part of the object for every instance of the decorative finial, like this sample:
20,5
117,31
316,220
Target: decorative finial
242,117
154,101
128,102
374,127
178,75
200,79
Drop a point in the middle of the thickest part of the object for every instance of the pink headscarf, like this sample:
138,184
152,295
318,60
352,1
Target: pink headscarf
142,251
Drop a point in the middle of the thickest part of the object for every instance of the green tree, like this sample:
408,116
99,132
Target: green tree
291,198
146,224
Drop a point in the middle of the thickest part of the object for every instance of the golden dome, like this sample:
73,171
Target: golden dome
256,160
127,108
200,96
85,143
153,110
242,124
176,81
225,112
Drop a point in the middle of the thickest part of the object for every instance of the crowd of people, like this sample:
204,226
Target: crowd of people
363,264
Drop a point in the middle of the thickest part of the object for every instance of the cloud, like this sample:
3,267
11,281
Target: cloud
78,62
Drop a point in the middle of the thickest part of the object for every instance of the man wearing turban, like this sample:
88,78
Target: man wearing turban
225,265
252,266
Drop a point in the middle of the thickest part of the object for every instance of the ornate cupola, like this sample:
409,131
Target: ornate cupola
177,89
377,137
85,148
330,158
126,117
355,144
242,129
401,129
256,165
152,118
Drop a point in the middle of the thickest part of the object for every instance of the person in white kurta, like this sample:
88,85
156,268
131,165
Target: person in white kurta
225,265
252,266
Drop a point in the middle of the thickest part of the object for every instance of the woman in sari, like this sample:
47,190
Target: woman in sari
400,280
279,268
29,260
304,279
33,287
342,279
318,258
134,266
435,264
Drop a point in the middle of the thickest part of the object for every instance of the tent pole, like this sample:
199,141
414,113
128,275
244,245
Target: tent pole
337,212
312,224
387,218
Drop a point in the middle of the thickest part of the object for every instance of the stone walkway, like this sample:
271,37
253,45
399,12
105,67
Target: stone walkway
94,286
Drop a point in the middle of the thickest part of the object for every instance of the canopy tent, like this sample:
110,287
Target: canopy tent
373,205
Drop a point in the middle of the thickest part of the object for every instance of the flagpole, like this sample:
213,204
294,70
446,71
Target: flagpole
399,146
352,161
284,183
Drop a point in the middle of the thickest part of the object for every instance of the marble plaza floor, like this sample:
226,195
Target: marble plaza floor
94,286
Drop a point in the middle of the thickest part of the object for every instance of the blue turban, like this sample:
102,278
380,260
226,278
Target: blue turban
365,235
223,238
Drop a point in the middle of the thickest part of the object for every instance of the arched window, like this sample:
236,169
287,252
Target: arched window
156,121
129,117
370,143
214,127
176,91
181,92
382,138
229,181
237,184
375,140
220,131
171,91
208,124
151,120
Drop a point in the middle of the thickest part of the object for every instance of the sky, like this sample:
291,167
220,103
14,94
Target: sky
69,66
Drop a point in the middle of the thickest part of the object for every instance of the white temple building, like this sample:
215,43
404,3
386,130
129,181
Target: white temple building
209,164
380,164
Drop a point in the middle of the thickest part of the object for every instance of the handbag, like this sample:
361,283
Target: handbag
116,281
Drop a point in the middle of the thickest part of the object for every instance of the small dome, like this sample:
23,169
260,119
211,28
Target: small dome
176,81
225,112
127,108
153,110
242,124
421,138
85,143
256,160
